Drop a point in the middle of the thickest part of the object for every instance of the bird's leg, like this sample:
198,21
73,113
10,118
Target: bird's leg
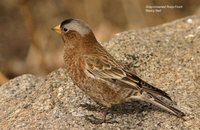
96,120
104,119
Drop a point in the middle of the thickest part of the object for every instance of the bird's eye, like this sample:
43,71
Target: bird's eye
65,29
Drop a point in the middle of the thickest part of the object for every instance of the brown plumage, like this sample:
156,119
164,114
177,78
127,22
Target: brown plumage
99,75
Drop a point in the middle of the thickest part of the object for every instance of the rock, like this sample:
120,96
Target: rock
167,56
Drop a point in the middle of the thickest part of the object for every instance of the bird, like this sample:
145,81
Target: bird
99,75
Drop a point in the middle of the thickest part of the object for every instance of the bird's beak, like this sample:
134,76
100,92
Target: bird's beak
57,29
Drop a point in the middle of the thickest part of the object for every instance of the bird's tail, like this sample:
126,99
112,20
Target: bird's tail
151,98
152,95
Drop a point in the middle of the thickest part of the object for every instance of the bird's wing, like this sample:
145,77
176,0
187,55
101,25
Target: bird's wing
106,68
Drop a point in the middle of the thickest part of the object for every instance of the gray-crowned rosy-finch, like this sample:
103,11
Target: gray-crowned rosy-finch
99,75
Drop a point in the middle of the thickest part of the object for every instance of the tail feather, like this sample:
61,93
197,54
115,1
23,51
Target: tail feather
167,107
151,98
150,93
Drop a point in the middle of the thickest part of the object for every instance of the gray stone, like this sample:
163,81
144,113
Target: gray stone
167,56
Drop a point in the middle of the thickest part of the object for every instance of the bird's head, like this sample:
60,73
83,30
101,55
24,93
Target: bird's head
74,30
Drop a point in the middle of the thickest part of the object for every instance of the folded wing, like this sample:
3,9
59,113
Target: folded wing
103,67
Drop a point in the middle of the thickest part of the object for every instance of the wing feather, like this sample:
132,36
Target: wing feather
105,68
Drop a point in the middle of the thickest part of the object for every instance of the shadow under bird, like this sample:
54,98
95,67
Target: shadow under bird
99,75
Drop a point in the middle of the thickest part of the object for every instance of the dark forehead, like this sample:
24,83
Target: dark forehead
65,22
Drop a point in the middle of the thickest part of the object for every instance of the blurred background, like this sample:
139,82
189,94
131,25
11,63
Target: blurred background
27,44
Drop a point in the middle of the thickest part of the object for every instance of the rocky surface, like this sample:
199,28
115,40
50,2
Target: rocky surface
167,56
